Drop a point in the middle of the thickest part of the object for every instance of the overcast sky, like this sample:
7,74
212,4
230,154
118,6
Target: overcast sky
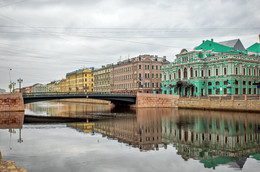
42,40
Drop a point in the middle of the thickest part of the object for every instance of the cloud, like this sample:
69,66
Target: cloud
42,40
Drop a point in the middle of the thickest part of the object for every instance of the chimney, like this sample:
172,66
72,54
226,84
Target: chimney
164,58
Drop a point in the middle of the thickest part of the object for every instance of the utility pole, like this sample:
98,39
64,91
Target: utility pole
20,82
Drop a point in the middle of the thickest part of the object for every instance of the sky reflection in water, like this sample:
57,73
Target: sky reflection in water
152,140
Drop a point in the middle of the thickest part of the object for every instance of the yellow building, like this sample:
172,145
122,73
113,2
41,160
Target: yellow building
57,87
63,85
81,80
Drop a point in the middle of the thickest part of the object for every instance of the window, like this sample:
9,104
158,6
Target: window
249,71
152,67
244,71
140,66
209,83
244,82
152,75
225,82
236,90
170,76
236,82
216,72
249,83
209,92
156,67
217,91
225,71
249,91
254,72
179,74
140,75
236,70
157,75
209,72
217,83
191,72
196,73
244,91
164,77
202,73
185,74
174,75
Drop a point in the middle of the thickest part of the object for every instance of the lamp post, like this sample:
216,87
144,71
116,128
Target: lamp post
20,82
13,84
10,85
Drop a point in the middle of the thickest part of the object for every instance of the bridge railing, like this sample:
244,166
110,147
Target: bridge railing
72,93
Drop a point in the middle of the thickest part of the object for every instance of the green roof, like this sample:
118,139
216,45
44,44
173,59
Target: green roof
217,47
254,48
212,163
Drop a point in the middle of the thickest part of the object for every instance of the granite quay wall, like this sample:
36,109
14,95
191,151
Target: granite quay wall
144,100
11,102
228,103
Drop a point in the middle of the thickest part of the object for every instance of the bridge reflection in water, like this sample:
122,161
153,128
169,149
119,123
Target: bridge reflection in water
213,138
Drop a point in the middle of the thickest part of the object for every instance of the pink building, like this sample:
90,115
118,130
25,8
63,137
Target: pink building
138,74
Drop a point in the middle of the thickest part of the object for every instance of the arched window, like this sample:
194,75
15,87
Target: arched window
191,72
217,83
179,74
209,83
185,74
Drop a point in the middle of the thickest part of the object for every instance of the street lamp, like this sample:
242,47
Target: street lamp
10,85
20,81
13,84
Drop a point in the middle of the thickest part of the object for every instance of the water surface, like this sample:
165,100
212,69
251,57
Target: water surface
146,139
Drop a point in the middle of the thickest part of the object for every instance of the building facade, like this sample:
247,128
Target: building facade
63,85
138,74
81,80
224,68
102,79
39,88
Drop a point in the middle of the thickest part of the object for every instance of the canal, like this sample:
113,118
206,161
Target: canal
144,139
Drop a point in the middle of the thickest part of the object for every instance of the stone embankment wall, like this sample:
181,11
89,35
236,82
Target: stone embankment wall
156,100
220,104
11,102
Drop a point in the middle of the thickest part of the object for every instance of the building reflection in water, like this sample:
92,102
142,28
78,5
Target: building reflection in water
66,109
212,137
